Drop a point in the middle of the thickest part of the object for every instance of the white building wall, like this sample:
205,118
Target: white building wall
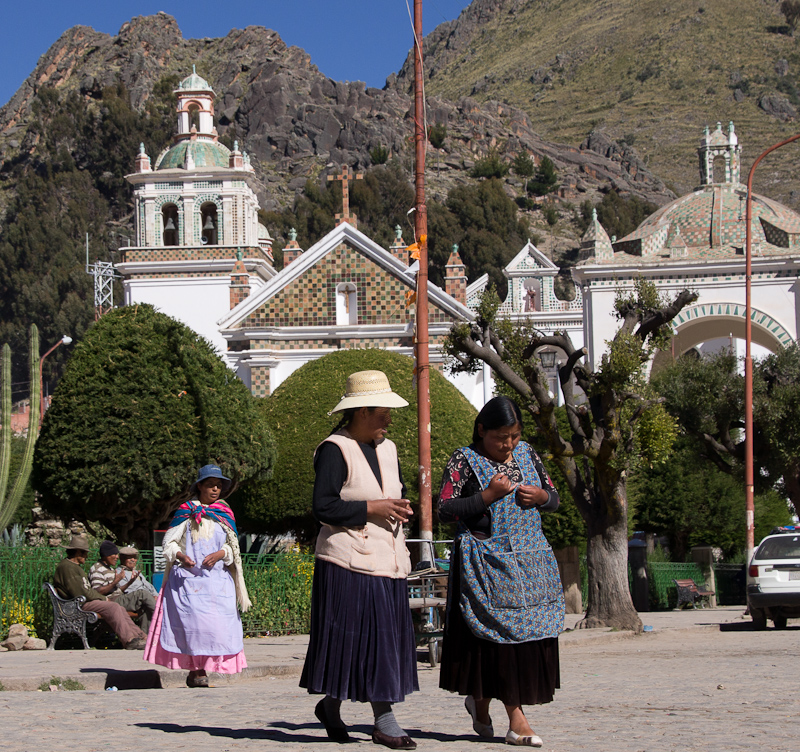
197,302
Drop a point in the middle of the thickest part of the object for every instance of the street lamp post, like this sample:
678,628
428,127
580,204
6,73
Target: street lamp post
748,359
65,340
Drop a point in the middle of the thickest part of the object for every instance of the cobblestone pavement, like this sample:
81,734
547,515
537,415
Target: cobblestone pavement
681,690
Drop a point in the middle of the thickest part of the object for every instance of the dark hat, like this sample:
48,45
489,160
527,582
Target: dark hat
107,548
78,541
210,471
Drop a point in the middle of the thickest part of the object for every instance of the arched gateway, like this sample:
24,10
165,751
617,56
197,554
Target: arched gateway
697,242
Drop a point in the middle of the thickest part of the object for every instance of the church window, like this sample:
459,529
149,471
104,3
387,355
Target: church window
169,223
718,170
194,117
208,224
346,304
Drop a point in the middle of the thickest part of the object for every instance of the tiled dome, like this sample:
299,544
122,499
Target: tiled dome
204,154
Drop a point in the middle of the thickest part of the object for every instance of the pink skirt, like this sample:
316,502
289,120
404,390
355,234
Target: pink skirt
154,653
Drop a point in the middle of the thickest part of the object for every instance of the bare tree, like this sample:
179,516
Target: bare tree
615,421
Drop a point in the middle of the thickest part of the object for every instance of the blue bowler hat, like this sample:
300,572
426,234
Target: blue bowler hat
211,471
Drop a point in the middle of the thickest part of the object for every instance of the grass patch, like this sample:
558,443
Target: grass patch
67,685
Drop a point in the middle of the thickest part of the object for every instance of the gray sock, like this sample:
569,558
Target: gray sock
331,706
384,719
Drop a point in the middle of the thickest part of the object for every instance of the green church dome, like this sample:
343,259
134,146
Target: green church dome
204,154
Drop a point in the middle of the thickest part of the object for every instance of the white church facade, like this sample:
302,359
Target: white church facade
202,256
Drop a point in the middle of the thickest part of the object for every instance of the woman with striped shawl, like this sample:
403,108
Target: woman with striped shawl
196,625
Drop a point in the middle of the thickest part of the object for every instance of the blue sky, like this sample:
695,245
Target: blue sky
348,40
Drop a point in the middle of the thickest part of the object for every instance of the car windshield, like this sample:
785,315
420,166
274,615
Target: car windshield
783,547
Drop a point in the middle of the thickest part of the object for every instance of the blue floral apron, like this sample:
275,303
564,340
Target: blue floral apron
510,587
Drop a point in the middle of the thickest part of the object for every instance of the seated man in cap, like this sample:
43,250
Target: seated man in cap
106,580
70,581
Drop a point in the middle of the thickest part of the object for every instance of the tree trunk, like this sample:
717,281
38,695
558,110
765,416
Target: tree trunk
609,602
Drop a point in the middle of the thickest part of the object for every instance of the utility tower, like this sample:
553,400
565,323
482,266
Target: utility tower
103,274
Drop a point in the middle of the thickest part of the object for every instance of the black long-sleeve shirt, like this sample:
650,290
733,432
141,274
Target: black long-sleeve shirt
331,473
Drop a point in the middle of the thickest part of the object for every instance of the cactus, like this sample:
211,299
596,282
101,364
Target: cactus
9,503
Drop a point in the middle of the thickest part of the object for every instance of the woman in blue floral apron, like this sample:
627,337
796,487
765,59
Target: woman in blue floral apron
505,607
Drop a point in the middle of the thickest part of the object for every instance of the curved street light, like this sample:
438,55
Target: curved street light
65,340
748,359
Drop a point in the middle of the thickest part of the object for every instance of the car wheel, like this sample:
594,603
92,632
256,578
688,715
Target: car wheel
759,618
779,622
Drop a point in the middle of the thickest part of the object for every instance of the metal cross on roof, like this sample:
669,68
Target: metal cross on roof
346,175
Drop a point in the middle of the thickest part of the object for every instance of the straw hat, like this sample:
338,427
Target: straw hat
368,389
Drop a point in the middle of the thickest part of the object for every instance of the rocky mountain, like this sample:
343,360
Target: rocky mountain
648,73
294,121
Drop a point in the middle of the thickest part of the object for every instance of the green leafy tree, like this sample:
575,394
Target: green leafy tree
707,397
694,504
545,180
483,220
523,165
619,216
69,182
620,425
437,133
142,404
298,415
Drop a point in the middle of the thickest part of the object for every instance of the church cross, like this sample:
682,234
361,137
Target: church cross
346,175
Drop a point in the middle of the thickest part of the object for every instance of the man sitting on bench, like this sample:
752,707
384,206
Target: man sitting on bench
106,580
70,581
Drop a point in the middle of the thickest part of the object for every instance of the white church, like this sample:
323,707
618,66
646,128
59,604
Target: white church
201,256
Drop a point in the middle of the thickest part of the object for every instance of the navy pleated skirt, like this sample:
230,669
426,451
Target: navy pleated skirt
525,673
362,645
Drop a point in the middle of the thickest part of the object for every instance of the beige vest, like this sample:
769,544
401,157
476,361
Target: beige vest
378,548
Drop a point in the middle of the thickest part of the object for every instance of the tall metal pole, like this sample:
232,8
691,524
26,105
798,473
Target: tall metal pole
748,358
421,228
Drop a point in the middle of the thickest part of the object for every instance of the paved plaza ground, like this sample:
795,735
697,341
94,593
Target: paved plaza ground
699,681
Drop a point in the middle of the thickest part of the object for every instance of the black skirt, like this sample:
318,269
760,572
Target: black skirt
362,645
525,673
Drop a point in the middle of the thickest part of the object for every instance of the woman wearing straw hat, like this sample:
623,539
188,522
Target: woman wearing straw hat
362,645
196,625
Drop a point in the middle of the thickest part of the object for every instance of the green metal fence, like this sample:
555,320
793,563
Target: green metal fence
279,586
660,576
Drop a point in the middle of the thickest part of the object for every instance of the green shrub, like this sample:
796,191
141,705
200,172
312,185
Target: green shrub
379,155
490,166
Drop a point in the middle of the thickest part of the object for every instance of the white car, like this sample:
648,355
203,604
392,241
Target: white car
773,578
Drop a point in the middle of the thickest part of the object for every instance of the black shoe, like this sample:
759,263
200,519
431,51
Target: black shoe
335,733
393,742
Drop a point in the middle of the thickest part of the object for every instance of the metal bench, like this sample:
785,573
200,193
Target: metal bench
690,592
69,617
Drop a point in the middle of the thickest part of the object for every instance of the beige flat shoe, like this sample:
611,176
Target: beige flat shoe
486,730
523,741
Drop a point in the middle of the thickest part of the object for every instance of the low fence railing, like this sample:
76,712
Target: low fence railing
663,595
279,586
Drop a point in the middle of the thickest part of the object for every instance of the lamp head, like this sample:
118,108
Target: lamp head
65,340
